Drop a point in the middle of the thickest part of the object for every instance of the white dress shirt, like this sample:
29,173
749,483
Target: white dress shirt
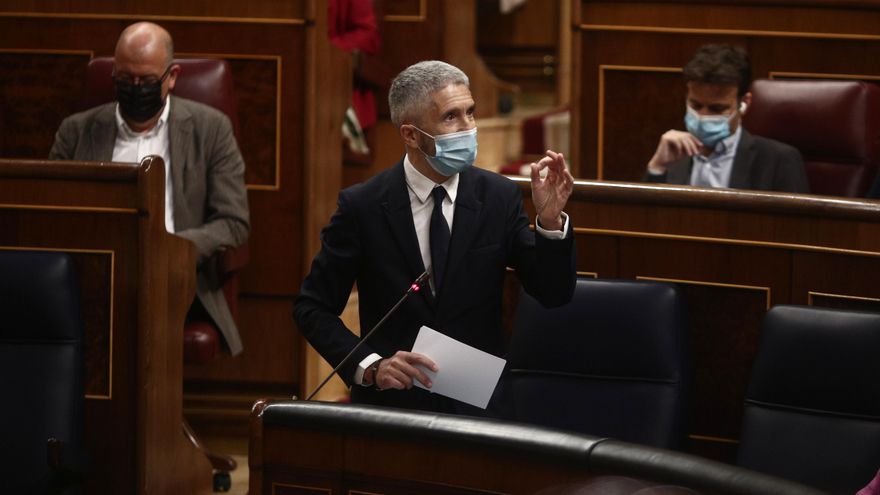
714,170
132,147
422,203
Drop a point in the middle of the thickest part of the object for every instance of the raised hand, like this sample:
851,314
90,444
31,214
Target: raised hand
551,193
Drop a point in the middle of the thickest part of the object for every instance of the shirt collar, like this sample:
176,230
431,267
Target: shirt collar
728,144
422,186
163,119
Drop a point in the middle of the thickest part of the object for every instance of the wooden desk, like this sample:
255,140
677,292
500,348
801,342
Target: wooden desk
735,254
137,282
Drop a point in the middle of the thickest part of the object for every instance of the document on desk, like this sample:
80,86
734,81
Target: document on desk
466,373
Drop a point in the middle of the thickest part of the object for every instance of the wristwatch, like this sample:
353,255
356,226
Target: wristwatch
375,372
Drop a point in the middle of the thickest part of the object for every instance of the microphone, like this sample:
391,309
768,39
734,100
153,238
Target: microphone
415,287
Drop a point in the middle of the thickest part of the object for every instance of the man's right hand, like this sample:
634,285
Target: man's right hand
673,145
400,370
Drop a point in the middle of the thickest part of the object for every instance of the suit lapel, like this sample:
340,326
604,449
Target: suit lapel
398,212
464,224
180,129
104,135
742,162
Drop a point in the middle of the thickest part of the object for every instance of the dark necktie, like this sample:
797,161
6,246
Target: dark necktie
439,237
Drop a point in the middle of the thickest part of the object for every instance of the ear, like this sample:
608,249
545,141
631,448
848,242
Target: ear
172,76
745,103
409,134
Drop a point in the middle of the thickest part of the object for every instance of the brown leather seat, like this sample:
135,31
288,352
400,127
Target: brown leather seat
834,124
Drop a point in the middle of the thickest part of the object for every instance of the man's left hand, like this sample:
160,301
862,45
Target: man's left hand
551,193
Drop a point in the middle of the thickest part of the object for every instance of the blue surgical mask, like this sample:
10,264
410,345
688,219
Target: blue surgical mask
453,152
709,129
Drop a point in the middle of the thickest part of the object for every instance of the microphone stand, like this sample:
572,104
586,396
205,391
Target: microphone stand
415,287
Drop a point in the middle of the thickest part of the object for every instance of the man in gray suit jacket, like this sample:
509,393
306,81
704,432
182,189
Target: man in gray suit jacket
716,151
205,200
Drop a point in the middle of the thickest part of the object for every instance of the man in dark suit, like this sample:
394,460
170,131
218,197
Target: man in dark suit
390,229
205,196
716,151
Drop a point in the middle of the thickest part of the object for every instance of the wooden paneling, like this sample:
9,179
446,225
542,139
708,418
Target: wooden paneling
138,281
635,107
734,254
835,39
38,89
522,46
209,11
96,299
258,83
404,10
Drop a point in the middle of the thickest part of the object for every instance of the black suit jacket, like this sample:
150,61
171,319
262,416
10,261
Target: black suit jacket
759,164
371,240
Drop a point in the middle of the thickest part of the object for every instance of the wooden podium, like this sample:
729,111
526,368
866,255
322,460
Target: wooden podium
137,282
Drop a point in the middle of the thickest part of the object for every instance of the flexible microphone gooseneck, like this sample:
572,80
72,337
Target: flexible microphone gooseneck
415,287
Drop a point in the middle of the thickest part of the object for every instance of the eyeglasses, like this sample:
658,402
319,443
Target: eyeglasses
141,81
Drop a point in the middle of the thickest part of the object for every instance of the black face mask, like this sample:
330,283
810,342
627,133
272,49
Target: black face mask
140,102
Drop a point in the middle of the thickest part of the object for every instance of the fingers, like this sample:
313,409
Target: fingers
674,145
554,163
692,144
400,370
567,180
686,142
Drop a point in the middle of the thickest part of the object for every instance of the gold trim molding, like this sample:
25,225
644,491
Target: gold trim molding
600,147
587,274
709,438
420,17
69,208
112,253
822,75
278,85
154,17
810,295
710,284
48,51
728,32
288,485
723,240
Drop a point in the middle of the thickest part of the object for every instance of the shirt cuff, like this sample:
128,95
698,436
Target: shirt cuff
556,235
362,368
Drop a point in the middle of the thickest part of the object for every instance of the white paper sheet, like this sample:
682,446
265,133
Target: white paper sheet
465,373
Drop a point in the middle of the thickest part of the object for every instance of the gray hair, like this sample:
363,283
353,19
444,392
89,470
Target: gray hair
412,88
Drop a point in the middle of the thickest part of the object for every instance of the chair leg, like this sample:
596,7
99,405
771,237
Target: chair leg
220,462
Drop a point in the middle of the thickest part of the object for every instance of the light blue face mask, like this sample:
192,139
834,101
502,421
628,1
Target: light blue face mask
709,129
453,152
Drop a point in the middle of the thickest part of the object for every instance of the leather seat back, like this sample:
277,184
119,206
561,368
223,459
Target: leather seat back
834,124
610,363
41,364
812,411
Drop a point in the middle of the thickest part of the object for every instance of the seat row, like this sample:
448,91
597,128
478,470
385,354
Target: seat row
615,363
